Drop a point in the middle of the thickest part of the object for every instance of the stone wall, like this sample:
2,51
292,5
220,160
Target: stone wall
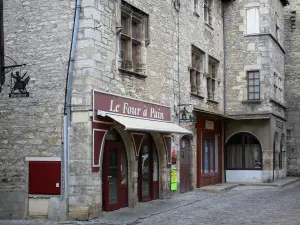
252,52
96,67
37,33
292,86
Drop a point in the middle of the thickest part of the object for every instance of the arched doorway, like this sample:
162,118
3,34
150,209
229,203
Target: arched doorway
185,165
114,173
243,161
148,179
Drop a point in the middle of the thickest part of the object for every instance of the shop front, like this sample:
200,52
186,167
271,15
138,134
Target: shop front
131,149
255,149
209,150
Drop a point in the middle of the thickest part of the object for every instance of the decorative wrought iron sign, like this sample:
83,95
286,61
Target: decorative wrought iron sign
18,89
185,116
18,81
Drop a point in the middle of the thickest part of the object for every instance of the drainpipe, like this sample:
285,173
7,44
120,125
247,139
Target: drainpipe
224,86
67,106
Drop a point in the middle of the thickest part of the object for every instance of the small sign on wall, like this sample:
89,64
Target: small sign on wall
209,125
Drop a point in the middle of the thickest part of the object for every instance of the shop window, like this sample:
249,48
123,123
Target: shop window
216,153
196,71
44,177
243,152
253,85
253,21
210,156
133,39
208,12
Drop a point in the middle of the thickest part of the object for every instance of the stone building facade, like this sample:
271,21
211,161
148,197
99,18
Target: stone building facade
255,56
150,105
292,38
147,52
37,34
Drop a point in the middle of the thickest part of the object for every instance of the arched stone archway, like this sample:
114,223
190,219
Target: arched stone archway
131,164
153,160
243,158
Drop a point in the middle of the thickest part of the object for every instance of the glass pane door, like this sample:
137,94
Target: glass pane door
113,176
206,156
145,178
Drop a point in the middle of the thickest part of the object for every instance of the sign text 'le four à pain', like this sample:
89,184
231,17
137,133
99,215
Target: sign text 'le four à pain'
131,107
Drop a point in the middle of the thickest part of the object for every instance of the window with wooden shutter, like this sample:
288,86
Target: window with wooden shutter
253,21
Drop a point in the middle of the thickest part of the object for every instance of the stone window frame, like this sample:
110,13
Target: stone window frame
133,40
207,12
278,85
253,85
212,79
197,71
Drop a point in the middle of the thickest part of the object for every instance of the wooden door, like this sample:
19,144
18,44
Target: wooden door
111,176
185,165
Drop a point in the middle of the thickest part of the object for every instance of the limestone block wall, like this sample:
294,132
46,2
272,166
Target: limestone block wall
96,67
292,86
252,52
37,33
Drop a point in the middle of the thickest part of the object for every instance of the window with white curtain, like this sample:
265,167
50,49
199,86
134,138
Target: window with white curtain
253,21
243,152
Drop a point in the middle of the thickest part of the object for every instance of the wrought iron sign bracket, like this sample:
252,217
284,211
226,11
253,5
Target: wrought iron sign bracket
18,81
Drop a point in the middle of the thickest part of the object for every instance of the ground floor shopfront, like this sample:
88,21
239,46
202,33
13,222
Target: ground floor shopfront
255,149
131,149
209,149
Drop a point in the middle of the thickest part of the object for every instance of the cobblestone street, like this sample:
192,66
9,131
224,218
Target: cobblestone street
242,205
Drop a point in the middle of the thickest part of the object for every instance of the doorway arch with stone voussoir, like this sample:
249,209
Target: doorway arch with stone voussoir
131,163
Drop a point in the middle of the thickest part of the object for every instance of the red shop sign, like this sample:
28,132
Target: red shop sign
127,106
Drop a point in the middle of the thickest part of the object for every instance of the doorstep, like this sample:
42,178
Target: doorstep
280,183
217,188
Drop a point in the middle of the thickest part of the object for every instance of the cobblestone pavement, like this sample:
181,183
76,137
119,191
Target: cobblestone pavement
243,205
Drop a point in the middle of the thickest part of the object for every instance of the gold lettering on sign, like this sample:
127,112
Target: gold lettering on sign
209,125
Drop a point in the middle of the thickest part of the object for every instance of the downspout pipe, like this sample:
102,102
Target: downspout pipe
67,106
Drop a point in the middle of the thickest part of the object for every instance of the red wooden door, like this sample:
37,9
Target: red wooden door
112,176
148,185
145,172
185,177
